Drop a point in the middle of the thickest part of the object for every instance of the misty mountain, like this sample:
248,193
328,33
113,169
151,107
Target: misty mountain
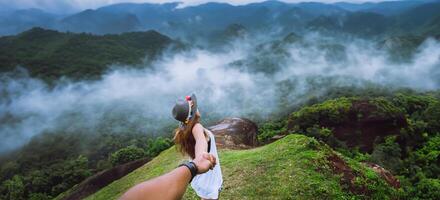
365,24
199,20
151,16
419,20
211,17
21,20
319,9
384,8
206,21
91,21
50,54
423,19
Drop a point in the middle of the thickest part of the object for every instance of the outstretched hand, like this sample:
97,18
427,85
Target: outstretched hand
171,185
205,162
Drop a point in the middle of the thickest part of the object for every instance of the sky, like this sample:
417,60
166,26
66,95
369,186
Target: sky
60,6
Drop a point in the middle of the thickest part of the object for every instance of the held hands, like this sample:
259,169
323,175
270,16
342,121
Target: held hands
205,162
173,184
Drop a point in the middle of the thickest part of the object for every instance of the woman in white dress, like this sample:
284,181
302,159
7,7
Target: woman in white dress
192,139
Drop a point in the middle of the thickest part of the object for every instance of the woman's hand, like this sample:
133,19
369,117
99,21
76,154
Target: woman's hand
205,162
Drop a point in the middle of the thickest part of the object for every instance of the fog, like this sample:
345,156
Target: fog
140,100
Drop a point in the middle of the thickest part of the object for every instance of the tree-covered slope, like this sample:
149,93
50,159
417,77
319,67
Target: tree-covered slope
50,54
421,20
400,132
295,167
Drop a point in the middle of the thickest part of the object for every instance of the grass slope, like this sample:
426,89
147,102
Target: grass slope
295,167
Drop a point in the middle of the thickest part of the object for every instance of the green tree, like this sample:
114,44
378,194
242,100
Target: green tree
388,154
427,158
155,146
76,170
14,188
9,169
39,181
126,154
432,117
428,189
39,196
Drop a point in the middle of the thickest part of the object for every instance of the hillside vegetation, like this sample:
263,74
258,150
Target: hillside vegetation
50,54
44,168
399,132
295,167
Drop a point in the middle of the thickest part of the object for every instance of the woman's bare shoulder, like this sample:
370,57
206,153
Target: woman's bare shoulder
198,126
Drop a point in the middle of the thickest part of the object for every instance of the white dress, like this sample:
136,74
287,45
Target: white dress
208,185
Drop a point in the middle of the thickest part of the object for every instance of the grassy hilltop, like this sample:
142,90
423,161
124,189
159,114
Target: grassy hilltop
295,167
339,138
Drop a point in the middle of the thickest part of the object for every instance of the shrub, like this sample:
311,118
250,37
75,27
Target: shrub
413,104
331,111
13,188
432,117
126,154
76,170
388,154
155,146
427,158
428,189
270,129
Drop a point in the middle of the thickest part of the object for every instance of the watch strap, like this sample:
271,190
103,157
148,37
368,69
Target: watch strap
192,168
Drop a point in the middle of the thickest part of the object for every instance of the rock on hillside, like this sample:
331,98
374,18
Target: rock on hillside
295,167
235,133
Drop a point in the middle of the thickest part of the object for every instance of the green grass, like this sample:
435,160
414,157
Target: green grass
294,167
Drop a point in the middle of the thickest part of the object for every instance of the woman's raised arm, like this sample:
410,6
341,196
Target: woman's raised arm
199,136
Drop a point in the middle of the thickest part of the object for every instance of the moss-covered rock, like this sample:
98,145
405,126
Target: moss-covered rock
355,121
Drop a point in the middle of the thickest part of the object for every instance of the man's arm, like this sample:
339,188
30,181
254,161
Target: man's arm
171,185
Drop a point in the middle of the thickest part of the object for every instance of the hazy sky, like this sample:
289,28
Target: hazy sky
75,5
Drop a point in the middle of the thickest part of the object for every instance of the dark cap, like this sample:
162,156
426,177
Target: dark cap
182,111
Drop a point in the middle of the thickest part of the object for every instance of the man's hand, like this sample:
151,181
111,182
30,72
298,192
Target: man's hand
171,185
205,162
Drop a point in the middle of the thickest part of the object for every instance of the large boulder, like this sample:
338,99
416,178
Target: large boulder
235,133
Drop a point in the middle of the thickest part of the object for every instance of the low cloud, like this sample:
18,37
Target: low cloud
140,100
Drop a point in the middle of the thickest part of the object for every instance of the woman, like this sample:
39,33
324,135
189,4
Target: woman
193,139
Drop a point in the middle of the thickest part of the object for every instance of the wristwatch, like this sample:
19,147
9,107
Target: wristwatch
192,168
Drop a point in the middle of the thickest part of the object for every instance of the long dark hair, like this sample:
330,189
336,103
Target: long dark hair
184,139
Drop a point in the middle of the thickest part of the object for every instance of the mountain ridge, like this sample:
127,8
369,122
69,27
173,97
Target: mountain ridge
175,21
51,55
